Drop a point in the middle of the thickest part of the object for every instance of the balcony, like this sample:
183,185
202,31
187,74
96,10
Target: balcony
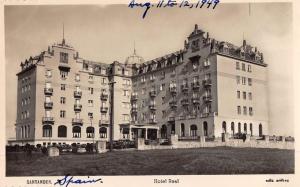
152,107
77,94
195,85
185,102
103,109
48,91
192,116
170,119
152,93
195,100
152,121
77,121
77,107
48,120
134,109
48,105
64,66
103,122
184,87
182,117
206,82
207,98
173,90
134,97
104,96
134,122
173,104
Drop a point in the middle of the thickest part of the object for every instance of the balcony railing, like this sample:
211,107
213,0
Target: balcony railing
48,105
173,104
48,91
152,121
192,116
104,96
152,93
195,85
152,107
77,121
134,97
185,102
207,98
207,82
171,119
195,100
48,120
103,109
103,122
173,90
185,87
77,94
77,107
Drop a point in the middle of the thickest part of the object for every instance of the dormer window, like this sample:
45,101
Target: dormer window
63,57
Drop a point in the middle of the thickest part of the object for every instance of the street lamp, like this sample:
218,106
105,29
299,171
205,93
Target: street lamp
111,115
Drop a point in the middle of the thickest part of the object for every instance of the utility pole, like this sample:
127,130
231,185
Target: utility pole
111,130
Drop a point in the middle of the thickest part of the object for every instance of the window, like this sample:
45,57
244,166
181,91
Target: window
243,67
62,87
77,77
90,132
76,132
250,111
237,65
62,100
249,81
238,94
206,63
90,103
126,82
48,73
245,110
238,79
239,109
91,78
63,57
125,92
250,96
249,68
47,131
104,81
244,80
152,77
163,74
244,95
193,131
163,113
62,131
125,117
103,132
143,91
91,90
62,113
162,87
163,99
63,74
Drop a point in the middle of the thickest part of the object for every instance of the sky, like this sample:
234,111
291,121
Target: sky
107,33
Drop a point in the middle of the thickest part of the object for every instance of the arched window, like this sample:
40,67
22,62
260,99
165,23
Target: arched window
182,132
205,128
103,132
193,130
90,132
260,130
76,132
232,128
224,127
245,128
164,131
239,128
251,129
47,131
62,131
25,130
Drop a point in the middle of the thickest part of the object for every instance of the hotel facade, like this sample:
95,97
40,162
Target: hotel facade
207,88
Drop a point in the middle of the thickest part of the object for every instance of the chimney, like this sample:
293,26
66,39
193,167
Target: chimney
196,27
207,35
244,43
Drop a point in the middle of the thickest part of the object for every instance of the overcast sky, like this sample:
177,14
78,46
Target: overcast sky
107,33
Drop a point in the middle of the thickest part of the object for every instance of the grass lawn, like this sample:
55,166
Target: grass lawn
221,160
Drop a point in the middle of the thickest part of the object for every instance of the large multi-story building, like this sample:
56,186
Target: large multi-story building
207,88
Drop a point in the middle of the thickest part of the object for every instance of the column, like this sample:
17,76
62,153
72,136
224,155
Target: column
146,133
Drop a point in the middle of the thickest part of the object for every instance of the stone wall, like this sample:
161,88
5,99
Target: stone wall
227,143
